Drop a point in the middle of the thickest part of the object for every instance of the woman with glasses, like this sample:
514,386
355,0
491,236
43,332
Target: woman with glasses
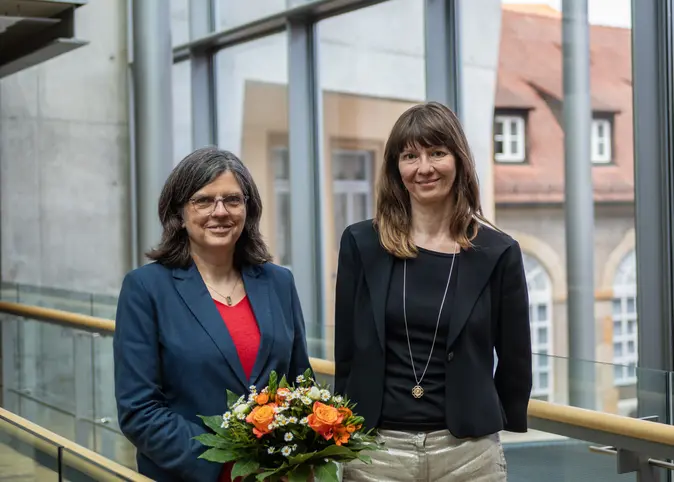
209,314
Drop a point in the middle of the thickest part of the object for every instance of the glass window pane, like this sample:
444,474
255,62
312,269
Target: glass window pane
252,122
498,128
371,69
180,21
231,13
498,147
182,110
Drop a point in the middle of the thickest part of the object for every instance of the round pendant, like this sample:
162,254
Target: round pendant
229,300
417,391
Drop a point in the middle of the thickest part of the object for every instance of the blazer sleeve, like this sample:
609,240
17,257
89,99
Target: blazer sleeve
345,294
513,377
299,361
144,417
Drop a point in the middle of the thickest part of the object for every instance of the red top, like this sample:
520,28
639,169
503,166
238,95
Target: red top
242,326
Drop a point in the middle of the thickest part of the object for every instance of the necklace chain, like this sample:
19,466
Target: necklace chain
228,299
417,391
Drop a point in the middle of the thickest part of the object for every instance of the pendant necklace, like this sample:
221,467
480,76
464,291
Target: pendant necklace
228,299
417,390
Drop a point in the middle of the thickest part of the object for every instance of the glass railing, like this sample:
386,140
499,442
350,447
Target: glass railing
60,376
28,452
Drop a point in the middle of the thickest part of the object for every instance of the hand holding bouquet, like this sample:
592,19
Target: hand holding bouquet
288,431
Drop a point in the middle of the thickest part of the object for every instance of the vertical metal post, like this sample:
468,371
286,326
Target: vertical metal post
305,174
579,202
203,76
653,81
153,114
443,53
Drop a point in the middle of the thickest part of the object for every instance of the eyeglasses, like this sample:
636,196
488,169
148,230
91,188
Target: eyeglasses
205,205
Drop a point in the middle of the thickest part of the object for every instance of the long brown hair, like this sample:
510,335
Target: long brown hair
197,170
426,125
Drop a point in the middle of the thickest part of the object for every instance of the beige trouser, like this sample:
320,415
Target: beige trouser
431,457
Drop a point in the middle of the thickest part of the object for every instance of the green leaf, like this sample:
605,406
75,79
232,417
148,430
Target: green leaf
334,450
244,468
284,382
300,474
300,458
273,381
210,440
365,458
261,477
232,398
308,373
326,472
214,422
218,455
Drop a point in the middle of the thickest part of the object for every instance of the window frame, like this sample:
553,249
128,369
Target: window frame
507,137
607,158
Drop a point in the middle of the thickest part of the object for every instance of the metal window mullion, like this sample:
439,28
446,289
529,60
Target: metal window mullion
306,175
443,54
653,82
202,74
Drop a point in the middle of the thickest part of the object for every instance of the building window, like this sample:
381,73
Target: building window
601,141
625,321
509,138
352,181
281,166
540,317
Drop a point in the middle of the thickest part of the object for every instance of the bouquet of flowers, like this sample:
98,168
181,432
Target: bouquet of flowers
289,431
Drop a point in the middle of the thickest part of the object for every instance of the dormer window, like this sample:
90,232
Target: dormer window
509,138
601,141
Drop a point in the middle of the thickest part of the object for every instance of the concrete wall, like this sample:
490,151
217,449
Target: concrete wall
64,162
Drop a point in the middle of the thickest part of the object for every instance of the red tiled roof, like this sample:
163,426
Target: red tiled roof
530,77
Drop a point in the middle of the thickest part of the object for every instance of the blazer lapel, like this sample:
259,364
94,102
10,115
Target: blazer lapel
377,267
194,293
257,289
474,270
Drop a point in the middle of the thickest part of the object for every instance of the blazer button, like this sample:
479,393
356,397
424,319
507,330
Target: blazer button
450,355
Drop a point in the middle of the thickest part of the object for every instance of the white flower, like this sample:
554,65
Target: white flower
271,450
241,416
225,424
314,393
242,409
227,416
304,421
299,379
286,451
339,399
288,436
325,395
306,400
292,419
252,389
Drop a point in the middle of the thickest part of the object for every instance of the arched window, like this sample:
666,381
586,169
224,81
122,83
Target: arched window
625,321
540,316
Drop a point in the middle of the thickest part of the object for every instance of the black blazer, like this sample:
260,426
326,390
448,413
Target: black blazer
491,311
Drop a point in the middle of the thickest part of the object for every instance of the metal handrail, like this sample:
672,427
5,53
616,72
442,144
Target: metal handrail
540,412
73,455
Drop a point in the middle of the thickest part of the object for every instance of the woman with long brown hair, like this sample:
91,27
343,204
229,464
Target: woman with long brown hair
426,293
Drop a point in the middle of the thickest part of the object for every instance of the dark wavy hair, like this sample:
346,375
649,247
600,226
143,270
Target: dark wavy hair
194,172
427,125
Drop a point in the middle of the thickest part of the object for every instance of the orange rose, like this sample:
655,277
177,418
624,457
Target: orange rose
261,417
282,393
324,419
262,399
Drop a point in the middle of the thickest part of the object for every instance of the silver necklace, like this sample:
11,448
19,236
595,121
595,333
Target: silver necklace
417,390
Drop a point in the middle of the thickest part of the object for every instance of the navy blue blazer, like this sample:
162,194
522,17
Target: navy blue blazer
175,359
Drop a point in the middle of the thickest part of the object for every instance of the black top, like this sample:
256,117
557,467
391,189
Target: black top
426,281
